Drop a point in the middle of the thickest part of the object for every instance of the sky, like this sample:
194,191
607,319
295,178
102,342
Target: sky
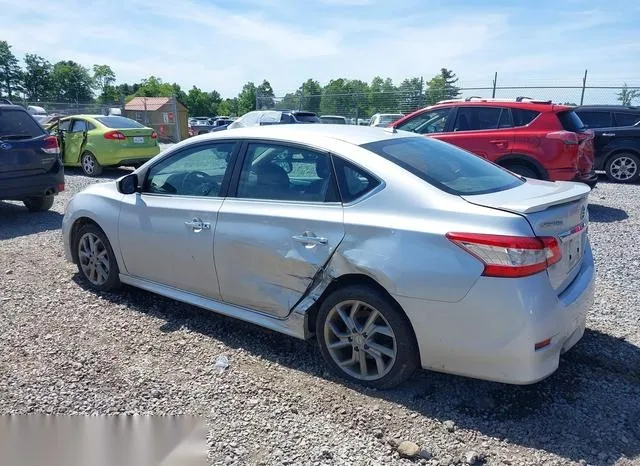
222,45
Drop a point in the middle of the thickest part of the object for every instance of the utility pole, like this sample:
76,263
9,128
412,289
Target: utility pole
584,85
495,83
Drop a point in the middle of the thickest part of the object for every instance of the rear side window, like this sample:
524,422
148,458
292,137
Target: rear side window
445,166
119,122
571,121
477,118
522,117
596,119
627,119
18,124
353,181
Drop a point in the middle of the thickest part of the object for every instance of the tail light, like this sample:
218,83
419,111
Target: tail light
569,138
509,256
50,145
154,135
114,135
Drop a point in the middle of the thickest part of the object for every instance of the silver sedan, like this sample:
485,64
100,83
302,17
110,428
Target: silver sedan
396,251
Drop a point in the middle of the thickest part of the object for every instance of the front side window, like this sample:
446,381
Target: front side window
430,121
477,118
197,171
626,119
286,173
445,166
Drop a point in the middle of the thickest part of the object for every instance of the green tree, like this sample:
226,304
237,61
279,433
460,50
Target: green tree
179,93
626,96
71,82
247,98
265,96
311,94
36,78
154,87
360,98
383,96
442,87
410,95
10,73
228,107
104,77
201,103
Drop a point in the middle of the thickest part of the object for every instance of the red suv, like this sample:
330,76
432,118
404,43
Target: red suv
535,139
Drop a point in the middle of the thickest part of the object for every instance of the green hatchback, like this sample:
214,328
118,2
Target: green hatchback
96,141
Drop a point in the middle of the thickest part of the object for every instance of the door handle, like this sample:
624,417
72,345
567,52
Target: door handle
310,238
198,225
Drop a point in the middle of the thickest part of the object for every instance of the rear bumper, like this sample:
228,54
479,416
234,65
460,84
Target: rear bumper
20,188
128,156
588,178
491,333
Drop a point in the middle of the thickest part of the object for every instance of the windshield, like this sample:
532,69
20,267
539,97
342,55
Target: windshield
445,166
119,122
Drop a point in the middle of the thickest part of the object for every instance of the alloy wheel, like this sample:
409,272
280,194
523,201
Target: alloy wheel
623,168
93,258
360,340
88,164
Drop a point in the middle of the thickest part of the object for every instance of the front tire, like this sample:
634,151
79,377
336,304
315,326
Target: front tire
90,165
623,168
365,338
95,259
38,204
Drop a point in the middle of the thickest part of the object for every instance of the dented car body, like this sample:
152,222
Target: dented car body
471,269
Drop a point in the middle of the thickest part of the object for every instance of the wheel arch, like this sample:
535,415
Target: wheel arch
351,279
525,160
618,150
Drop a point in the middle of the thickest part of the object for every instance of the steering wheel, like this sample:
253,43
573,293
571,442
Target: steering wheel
201,183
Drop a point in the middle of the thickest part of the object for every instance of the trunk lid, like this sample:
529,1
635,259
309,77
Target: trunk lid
552,209
137,137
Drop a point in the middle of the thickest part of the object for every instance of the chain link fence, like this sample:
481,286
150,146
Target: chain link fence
358,107
74,108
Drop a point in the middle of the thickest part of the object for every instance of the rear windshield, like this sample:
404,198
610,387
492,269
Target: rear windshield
18,124
445,166
571,121
119,122
307,117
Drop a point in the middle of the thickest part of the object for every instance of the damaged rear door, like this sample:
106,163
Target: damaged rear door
280,225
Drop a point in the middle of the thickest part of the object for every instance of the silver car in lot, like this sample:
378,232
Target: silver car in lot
394,250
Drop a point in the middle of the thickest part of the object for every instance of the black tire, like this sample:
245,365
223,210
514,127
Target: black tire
523,170
112,281
623,167
90,165
407,356
39,203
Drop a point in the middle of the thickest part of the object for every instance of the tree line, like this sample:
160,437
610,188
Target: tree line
39,80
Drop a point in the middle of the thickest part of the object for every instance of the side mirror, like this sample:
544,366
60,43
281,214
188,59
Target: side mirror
128,184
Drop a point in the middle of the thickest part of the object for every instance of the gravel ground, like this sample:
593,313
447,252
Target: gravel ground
65,350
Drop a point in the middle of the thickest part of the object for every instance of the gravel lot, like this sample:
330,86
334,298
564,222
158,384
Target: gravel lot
65,350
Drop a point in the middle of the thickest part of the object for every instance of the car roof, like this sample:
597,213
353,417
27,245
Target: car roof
539,107
332,116
352,134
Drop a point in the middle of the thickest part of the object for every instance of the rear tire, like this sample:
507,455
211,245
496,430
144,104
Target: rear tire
523,170
365,338
38,204
90,165
623,167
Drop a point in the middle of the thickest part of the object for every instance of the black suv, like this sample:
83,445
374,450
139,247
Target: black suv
30,167
608,116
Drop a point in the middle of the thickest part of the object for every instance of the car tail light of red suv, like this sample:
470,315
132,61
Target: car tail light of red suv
535,139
